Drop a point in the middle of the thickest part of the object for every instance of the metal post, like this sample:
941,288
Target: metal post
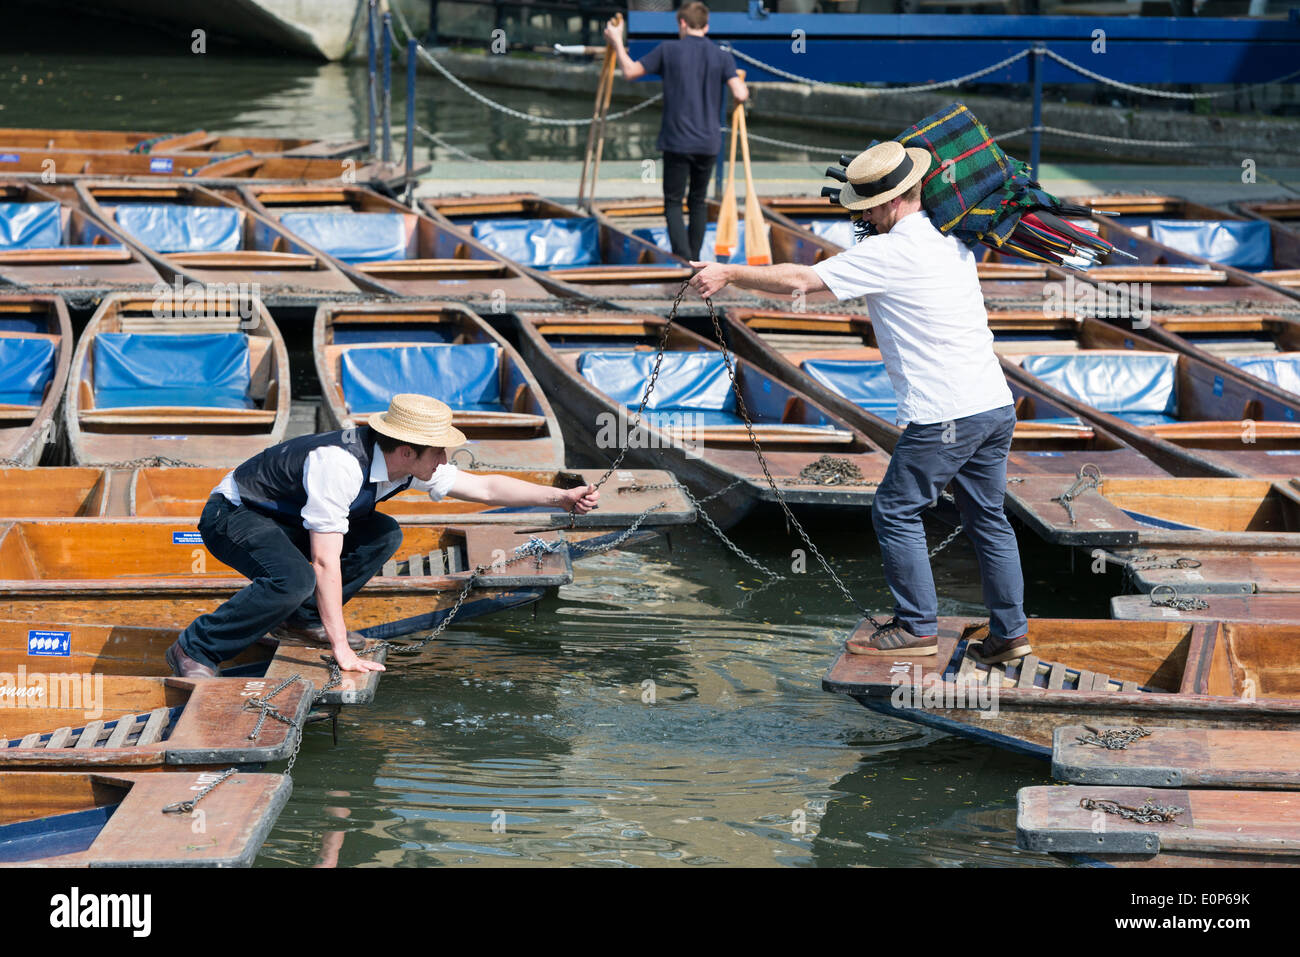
410,117
431,35
370,74
388,87
1036,77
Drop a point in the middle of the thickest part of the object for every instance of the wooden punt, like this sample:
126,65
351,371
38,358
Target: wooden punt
116,651
1276,608
793,429
520,431
1201,569
1216,422
1174,512
86,258
203,167
73,720
1215,828
1283,218
1111,674
194,141
36,339
159,574
434,262
114,819
1049,439
629,267
246,248
192,424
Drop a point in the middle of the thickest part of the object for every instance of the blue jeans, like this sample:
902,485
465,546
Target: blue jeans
971,453
276,557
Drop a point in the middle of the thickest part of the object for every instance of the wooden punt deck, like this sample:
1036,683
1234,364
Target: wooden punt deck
159,574
1204,569
439,262
709,458
1265,607
1187,512
286,270
1188,675
525,434
196,435
192,141
115,819
27,432
778,342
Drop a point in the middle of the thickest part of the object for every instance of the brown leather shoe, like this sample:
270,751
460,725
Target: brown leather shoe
183,666
994,651
891,638
313,635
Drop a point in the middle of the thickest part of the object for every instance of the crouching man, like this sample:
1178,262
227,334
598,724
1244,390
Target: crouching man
299,520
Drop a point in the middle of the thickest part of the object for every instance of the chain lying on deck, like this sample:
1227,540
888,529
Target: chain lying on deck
832,470
1083,481
1113,739
150,462
1148,813
185,807
1146,563
267,710
1176,600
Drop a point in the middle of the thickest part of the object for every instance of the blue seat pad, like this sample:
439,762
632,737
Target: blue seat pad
1123,384
352,237
543,243
659,236
688,381
142,370
1246,244
1280,368
864,382
172,228
26,366
466,377
838,231
30,226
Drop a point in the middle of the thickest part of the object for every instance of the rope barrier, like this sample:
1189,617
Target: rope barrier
1147,91
921,88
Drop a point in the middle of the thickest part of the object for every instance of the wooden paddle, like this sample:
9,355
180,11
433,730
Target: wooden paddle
596,131
728,233
757,250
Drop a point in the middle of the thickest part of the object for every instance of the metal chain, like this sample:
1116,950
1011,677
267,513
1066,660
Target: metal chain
268,710
1148,813
1113,739
149,462
1176,600
809,81
335,679
1160,93
184,807
1083,481
1153,561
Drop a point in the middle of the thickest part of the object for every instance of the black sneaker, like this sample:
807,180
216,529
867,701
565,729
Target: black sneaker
891,638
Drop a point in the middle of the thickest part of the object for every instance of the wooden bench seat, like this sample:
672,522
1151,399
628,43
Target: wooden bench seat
488,267
245,259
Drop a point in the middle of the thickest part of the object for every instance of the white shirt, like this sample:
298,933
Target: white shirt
332,477
928,313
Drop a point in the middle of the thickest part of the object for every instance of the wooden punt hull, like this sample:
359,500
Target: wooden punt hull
1186,512
441,262
90,261
716,459
656,275
1210,569
283,269
113,819
777,342
126,721
199,167
190,435
26,431
194,141
180,493
124,651
1104,673
1283,218
159,574
1283,609
527,436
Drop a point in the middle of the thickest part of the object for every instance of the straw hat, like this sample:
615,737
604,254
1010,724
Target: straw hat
882,172
419,419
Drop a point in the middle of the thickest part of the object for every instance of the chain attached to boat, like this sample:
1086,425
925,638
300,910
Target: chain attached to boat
832,470
267,710
185,807
1113,739
1176,600
1148,813
1154,561
1083,481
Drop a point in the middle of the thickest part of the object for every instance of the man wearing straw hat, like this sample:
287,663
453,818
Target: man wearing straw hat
299,520
927,311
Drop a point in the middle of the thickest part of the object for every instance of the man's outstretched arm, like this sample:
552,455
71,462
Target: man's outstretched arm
781,278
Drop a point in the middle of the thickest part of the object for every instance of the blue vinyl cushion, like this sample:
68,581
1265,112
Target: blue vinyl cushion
1245,244
169,228
865,383
543,243
838,231
30,226
1137,387
352,237
466,377
143,370
26,366
659,236
1281,368
688,382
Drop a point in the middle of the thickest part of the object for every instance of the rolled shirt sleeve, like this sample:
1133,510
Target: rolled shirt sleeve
439,486
332,478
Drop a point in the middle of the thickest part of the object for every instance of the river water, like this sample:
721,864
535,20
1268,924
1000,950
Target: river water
664,709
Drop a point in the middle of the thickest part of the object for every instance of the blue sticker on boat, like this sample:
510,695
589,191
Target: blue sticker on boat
54,644
187,538
1290,413
160,164
1046,455
10,158
1218,385
1128,344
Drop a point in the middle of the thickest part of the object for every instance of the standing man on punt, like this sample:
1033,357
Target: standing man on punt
694,70
299,520
928,314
